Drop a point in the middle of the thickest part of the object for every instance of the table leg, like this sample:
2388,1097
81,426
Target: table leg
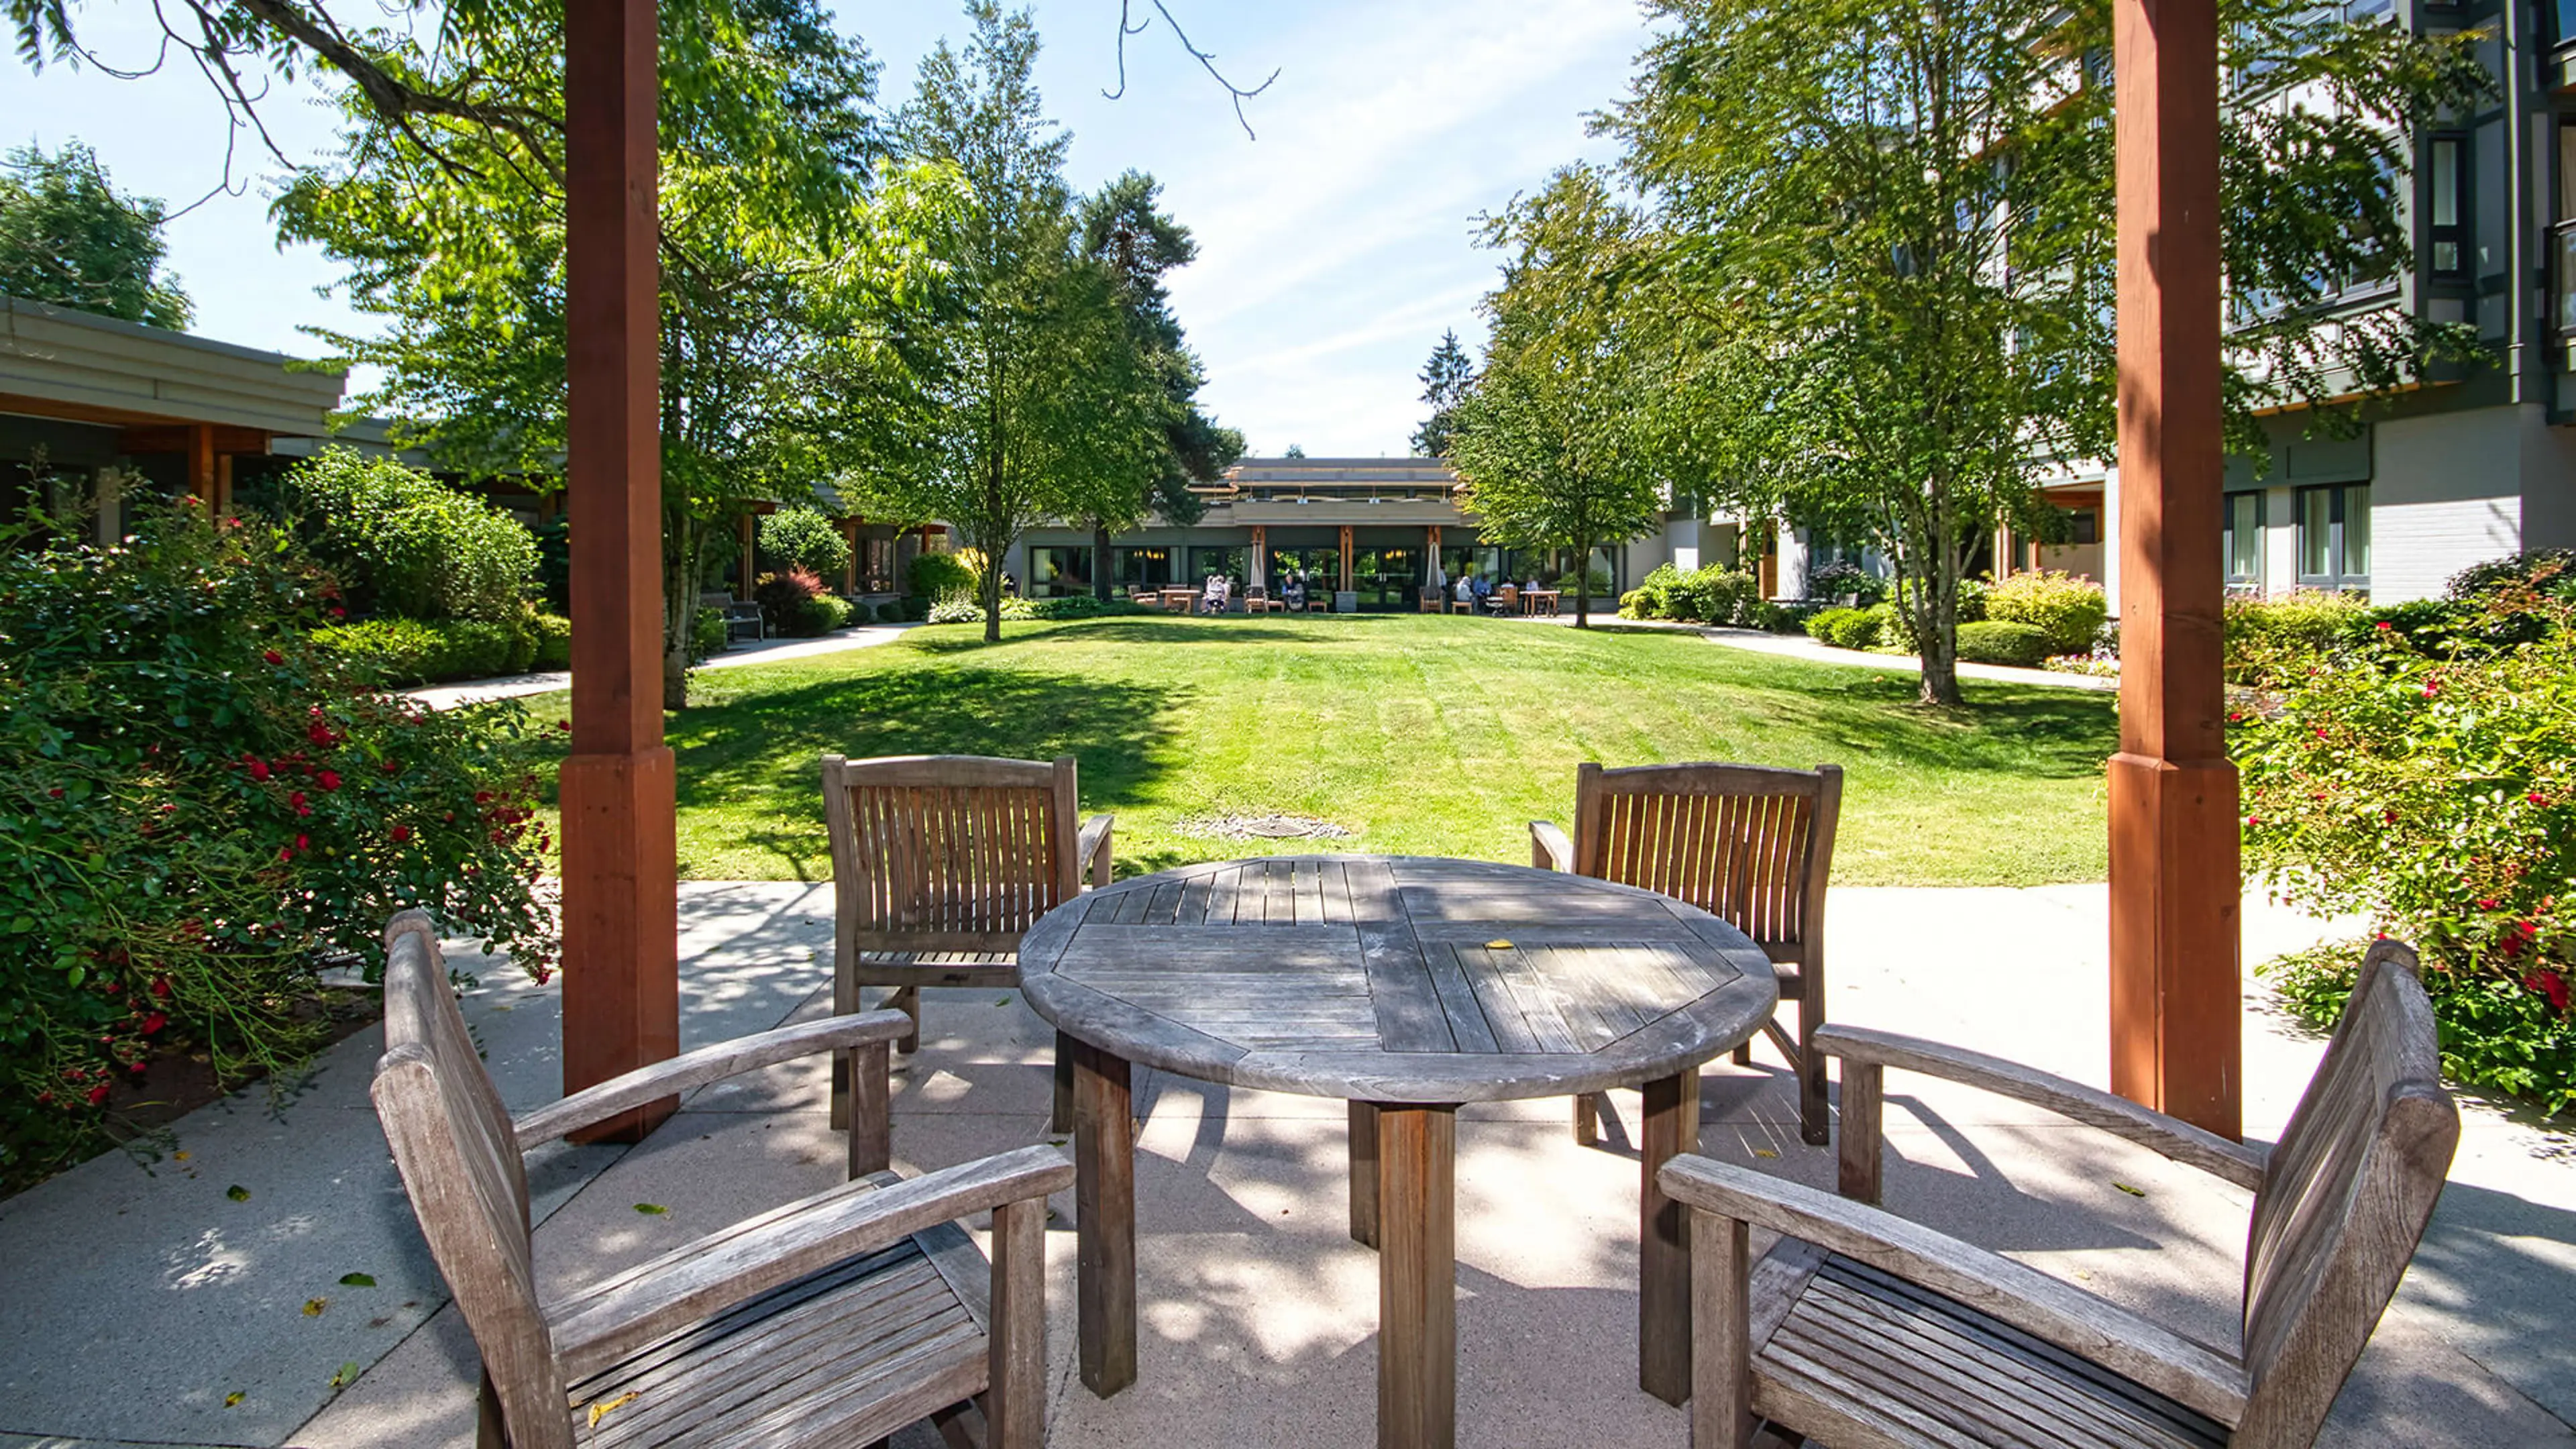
1364,1173
1104,1204
1417,1273
1671,1127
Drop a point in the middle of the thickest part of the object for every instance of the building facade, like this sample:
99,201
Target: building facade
1368,534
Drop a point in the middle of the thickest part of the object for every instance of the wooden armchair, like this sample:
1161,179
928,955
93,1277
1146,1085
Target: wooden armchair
831,1321
1748,844
1862,1329
939,864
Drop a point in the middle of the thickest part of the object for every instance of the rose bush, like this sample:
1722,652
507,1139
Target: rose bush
2428,781
205,809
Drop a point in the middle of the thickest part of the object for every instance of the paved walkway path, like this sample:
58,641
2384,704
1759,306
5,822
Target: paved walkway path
770,651
134,1303
1800,646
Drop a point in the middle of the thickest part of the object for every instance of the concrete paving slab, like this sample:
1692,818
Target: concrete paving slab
1259,1314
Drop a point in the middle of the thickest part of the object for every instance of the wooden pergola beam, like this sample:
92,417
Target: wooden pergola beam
2175,880
621,1007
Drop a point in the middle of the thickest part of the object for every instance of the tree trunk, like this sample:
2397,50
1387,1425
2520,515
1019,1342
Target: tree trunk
1583,584
1936,629
679,606
1100,588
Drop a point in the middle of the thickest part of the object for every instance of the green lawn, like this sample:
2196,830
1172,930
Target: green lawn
1423,735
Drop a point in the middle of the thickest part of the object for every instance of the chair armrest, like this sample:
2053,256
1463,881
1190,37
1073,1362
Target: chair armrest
593,1105
2178,1140
1092,848
1549,847
602,1324
2182,1369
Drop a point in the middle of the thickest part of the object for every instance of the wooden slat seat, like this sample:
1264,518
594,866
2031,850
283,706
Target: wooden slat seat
1894,1361
1866,1331
940,863
1749,844
851,1353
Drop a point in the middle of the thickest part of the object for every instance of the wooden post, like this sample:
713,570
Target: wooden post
850,570
1345,581
747,535
201,465
2175,884
621,1006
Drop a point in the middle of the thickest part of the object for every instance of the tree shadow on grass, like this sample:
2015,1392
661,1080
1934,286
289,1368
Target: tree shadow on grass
756,757
1147,630
2028,729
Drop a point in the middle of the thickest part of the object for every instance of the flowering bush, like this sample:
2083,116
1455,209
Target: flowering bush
2429,782
2266,641
203,809
2069,610
401,542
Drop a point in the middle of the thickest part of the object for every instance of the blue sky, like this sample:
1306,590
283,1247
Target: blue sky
1334,248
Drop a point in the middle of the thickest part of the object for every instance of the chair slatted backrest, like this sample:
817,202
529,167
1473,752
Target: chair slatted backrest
1749,844
2345,1199
459,1158
948,852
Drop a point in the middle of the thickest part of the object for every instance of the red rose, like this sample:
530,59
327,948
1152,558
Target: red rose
2432,689
391,766
286,852
401,833
2549,984
338,613
328,779
259,769
2321,732
295,799
55,793
161,987
98,1095
2535,798
154,1023
272,656
302,844
2383,624
2486,905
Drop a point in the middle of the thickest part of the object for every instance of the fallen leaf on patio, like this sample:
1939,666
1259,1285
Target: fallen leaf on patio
347,1375
233,1399
603,1410
356,1280
237,1193
1004,1001
1764,1152
651,1209
179,1156
313,1306
2131,1191
1498,945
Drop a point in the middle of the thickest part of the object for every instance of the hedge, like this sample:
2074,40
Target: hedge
1997,641
2069,610
398,541
398,653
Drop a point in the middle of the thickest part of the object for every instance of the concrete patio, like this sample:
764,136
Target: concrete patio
134,1305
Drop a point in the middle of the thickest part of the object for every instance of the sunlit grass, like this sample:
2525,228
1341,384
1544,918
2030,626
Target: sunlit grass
1423,735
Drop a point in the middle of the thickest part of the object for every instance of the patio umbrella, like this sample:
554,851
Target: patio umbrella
1439,580
1258,579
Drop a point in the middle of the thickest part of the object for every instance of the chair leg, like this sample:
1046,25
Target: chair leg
1815,1123
1744,1053
1060,1118
907,999
1587,1119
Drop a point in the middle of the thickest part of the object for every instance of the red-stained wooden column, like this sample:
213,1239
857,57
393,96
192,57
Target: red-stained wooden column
2175,1003
621,906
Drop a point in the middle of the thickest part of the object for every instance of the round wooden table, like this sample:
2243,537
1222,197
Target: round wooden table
1408,987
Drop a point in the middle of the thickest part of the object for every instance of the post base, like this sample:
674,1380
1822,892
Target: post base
621,926
2177,999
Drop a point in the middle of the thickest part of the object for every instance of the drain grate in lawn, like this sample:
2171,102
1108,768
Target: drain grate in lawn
1260,827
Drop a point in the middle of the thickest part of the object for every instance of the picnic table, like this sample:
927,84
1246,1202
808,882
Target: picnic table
1180,601
1407,987
1532,600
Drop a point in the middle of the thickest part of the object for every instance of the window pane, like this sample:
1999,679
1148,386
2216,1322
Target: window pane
2488,195
2316,523
2355,563
2446,182
2244,536
2567,173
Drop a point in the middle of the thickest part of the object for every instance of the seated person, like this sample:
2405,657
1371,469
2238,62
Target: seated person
1484,589
1466,589
1213,599
1293,592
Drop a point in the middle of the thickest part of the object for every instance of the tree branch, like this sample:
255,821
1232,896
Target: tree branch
1206,60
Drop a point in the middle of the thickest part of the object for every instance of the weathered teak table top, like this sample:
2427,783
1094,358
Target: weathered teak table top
1408,986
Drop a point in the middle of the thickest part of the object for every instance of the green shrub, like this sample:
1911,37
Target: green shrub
1897,628
1825,622
706,634
400,542
957,609
791,604
1080,606
916,608
203,809
1999,641
554,641
2069,610
2434,794
1712,595
1840,580
2267,641
805,538
937,575
1860,628
822,614
2550,571
399,653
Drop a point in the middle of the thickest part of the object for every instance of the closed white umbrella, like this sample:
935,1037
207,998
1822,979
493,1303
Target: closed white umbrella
1259,580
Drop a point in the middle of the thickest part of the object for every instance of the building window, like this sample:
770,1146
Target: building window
1056,573
2334,537
2244,547
2448,233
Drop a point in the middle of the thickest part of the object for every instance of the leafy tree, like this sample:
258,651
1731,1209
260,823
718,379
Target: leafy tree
1019,391
451,228
805,538
1555,443
1125,231
1446,379
69,237
1888,282
1295,450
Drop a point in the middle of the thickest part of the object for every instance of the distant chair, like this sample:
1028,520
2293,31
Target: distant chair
739,615
831,1321
1257,600
1144,594
1858,1327
1505,601
939,864
1431,602
1749,844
